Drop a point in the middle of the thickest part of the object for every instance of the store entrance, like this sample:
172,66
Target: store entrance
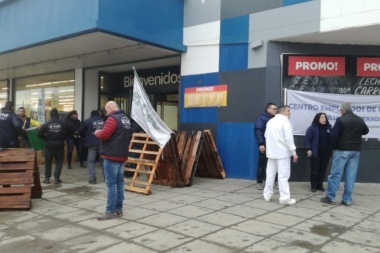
166,106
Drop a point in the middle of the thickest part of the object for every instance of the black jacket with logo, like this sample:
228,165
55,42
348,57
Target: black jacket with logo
55,132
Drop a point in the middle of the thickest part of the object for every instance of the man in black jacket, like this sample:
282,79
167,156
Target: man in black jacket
260,126
95,122
55,132
10,127
346,140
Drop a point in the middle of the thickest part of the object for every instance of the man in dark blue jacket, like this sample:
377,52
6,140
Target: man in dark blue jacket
10,127
346,141
54,132
95,122
260,126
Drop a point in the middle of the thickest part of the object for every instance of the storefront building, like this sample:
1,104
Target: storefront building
205,64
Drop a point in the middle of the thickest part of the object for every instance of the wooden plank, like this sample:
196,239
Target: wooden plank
143,152
15,205
8,190
140,171
16,166
133,182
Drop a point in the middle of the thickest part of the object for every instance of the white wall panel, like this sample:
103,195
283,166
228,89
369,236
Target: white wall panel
343,14
205,34
200,60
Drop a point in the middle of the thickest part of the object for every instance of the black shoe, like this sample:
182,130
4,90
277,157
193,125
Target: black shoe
82,165
322,189
313,189
92,181
69,167
46,181
326,200
346,204
57,181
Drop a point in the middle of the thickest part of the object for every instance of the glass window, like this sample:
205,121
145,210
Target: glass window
3,93
39,94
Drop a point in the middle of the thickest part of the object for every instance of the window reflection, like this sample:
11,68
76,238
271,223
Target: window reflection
38,95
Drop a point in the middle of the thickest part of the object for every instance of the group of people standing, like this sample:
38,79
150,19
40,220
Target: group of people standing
106,137
274,135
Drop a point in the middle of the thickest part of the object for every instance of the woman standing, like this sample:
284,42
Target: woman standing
317,145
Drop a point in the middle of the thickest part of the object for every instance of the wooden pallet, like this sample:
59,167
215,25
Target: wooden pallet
169,170
210,165
16,178
145,154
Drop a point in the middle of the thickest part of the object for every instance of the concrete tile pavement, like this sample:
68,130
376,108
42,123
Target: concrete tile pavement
213,215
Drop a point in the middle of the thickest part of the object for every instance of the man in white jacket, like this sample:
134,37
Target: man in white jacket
279,147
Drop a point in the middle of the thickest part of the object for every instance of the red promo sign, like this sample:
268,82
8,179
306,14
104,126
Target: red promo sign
316,66
222,87
367,66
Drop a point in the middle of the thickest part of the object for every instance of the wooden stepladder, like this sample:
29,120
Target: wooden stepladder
144,155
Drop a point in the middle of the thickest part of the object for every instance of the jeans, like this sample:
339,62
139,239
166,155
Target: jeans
91,157
54,152
78,143
261,169
343,161
114,174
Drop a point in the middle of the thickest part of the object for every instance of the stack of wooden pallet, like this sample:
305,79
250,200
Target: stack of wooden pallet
17,176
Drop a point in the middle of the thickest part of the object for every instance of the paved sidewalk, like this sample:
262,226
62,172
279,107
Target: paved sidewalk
213,215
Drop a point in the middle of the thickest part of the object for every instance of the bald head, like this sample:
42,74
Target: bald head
111,106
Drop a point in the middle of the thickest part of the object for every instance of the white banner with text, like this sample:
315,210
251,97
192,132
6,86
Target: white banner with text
304,106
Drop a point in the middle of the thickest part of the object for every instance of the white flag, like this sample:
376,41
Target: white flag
144,114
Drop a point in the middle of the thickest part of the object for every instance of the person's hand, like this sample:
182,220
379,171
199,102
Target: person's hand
309,153
97,131
262,149
295,158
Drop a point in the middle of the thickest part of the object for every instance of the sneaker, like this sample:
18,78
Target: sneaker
326,200
119,213
46,181
313,190
267,199
107,216
346,204
287,202
57,181
260,186
69,167
92,181
82,166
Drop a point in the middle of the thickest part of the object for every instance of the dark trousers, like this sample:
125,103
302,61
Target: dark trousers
54,152
262,168
7,143
318,167
78,143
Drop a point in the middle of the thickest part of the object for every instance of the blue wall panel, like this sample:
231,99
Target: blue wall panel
233,57
25,22
197,115
236,142
154,22
234,30
291,2
234,36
